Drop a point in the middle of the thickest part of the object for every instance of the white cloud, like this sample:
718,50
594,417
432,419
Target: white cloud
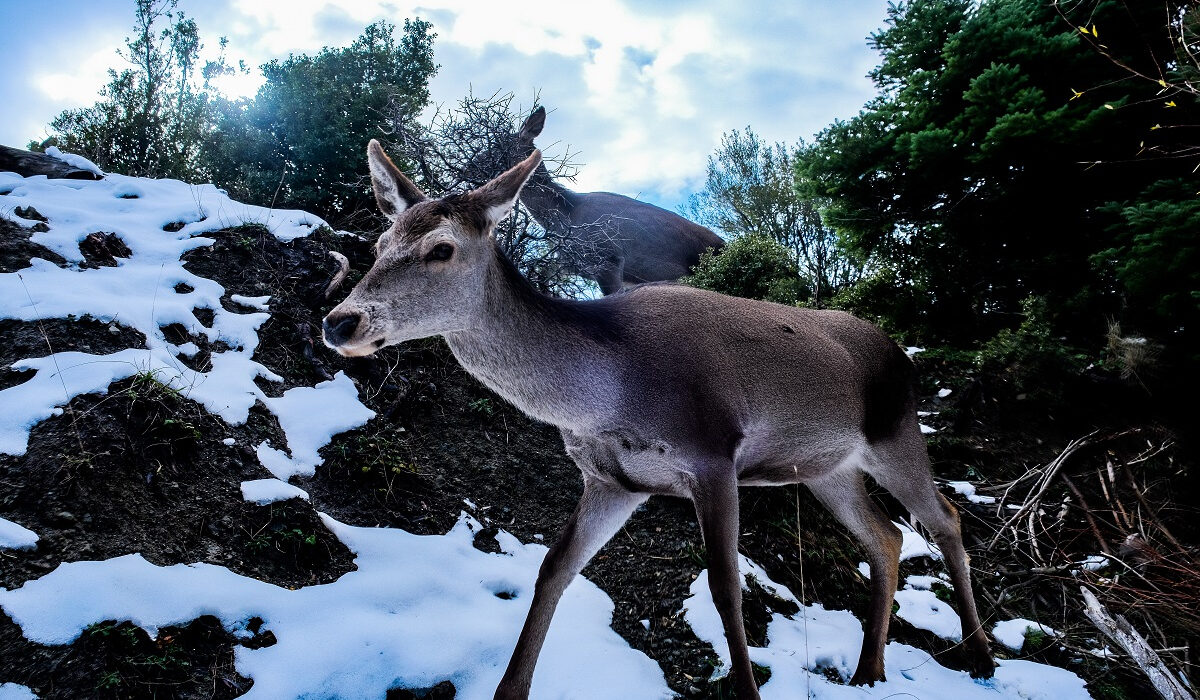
642,91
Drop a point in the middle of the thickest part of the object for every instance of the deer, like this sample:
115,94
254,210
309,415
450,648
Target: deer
614,240
662,390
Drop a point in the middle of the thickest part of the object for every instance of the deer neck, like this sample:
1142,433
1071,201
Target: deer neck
550,203
552,358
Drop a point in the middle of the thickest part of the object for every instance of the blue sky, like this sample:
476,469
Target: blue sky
640,91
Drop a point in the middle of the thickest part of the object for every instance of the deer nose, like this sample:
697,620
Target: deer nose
339,327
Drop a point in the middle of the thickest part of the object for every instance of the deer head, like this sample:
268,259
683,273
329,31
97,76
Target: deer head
506,149
430,266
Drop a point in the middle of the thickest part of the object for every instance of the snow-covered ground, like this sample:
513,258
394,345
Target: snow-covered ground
419,609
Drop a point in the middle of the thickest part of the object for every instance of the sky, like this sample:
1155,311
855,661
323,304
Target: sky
640,92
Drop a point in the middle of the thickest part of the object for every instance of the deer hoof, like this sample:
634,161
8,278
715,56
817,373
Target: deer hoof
868,675
982,666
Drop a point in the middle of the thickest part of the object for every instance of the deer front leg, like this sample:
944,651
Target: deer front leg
716,499
600,513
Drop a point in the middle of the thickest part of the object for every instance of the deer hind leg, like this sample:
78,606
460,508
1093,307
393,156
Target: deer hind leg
844,494
716,499
903,469
600,513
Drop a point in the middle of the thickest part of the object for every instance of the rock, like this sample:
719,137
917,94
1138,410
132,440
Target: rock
28,163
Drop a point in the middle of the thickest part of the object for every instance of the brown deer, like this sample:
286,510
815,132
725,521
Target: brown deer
664,389
610,238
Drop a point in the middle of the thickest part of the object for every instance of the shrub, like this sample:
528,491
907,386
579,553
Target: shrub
1030,358
750,266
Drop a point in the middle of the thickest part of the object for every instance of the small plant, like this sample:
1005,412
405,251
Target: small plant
109,681
482,407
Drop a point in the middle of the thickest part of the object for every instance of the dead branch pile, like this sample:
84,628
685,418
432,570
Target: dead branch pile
1103,515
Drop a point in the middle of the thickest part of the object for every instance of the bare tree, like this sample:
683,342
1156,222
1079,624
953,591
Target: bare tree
467,145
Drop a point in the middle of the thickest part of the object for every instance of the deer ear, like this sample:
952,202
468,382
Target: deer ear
500,195
533,125
393,191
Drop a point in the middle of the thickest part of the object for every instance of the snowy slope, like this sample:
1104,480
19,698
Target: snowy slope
419,609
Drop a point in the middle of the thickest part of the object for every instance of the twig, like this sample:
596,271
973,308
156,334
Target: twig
1047,475
1087,513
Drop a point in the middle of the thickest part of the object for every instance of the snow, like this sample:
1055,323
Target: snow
14,536
943,393
12,691
75,161
926,430
1011,633
418,610
924,610
229,442
469,503
967,490
264,491
1094,562
310,416
140,292
913,350
914,545
801,647
259,303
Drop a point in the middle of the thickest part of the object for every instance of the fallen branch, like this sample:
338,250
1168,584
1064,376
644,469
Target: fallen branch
1125,636
1046,474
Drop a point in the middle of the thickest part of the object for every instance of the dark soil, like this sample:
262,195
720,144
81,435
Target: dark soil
16,248
143,469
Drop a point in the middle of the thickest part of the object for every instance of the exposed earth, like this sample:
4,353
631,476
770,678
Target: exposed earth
143,469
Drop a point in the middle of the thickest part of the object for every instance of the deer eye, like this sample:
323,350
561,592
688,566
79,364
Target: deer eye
440,252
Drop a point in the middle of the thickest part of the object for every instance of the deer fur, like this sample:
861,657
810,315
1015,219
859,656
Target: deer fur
612,239
667,390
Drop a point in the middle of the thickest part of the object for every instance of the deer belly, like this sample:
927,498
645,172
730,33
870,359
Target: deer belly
630,462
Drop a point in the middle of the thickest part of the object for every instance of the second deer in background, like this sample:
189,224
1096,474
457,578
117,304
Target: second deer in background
610,238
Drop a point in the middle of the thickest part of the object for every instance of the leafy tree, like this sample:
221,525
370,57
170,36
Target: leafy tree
299,142
152,117
979,173
751,266
750,189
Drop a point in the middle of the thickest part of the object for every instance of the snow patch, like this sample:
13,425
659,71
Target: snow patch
14,536
417,611
140,292
12,691
943,393
264,491
75,161
915,545
310,416
1011,633
967,490
259,303
801,649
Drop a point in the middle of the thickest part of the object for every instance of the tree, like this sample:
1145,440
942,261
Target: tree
750,190
300,142
979,174
152,117
465,146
